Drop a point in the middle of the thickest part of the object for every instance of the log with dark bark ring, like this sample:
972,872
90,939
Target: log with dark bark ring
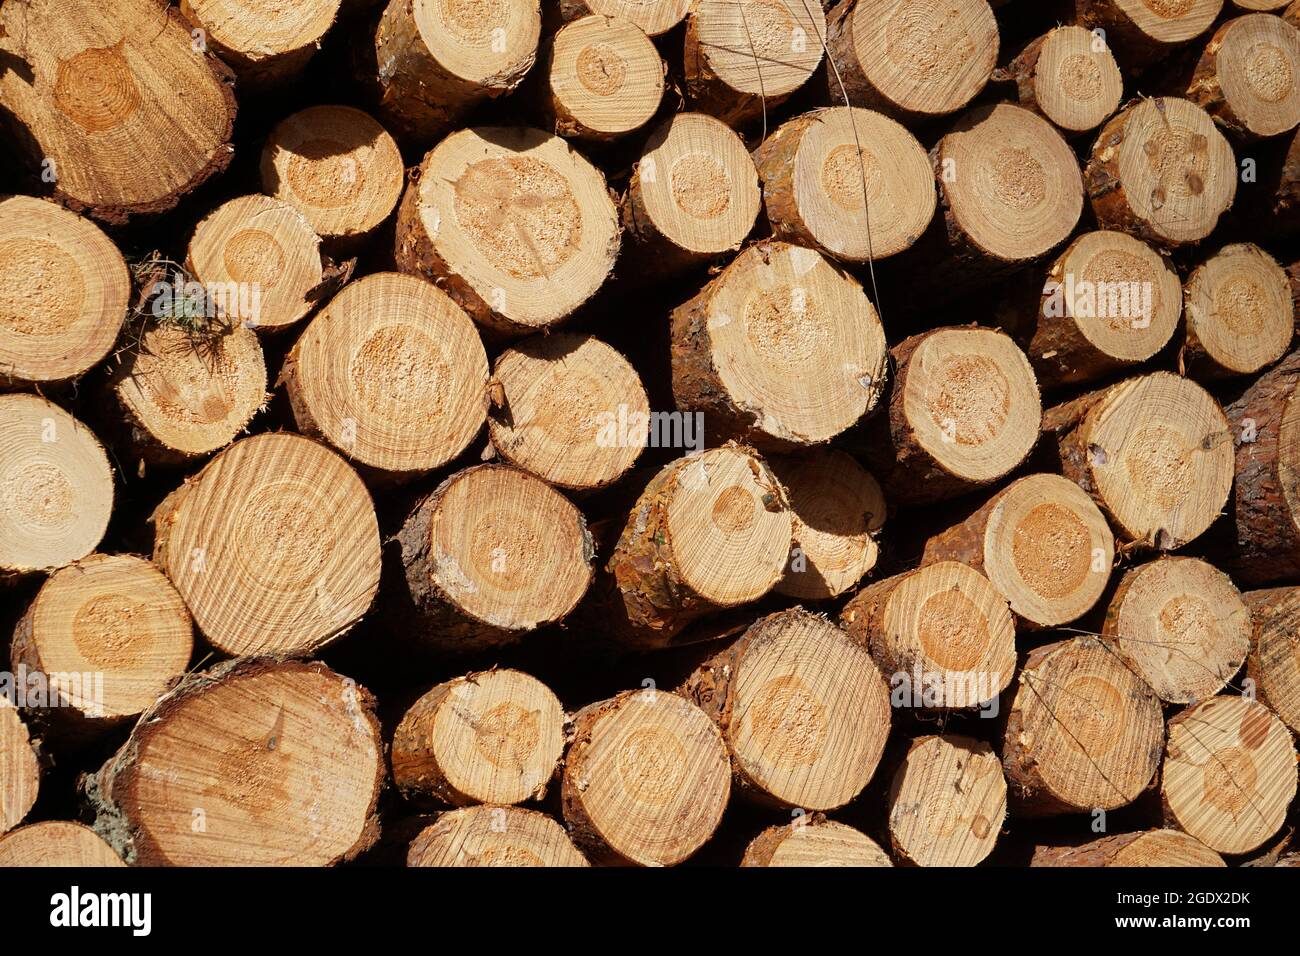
604,78
1145,30
1068,75
1274,662
1248,77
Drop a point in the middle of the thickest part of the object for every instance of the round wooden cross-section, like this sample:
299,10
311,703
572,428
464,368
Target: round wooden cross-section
814,841
652,16
1239,313
56,843
605,78
20,771
494,836
1152,848
1249,76
1068,76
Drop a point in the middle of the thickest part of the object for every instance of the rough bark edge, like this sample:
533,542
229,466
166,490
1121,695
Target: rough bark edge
1263,612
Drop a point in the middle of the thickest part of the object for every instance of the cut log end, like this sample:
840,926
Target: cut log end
1042,543
182,395
574,412
493,553
265,44
20,770
1011,184
838,509
814,841
56,487
254,793
110,633
947,802
1229,774
1248,78
517,227
1076,82
646,779
654,18
274,546
1239,313
338,166
1182,626
493,737
494,836
1146,30
267,248
850,182
746,350
1274,661
56,843
392,374
605,78
64,289
1156,454
1161,171
1084,732
913,58
1153,848
803,710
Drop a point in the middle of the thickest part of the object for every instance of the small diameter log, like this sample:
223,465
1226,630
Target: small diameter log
802,708
271,253
1010,188
265,44
743,58
781,350
1108,303
915,59
512,223
56,843
942,636
257,762
391,374
492,737
1182,626
814,841
645,780
947,802
838,509
1260,4
113,104
1229,774
273,545
110,635
1154,452
604,78
1161,171
964,411
1274,661
338,166
20,770
494,836
1265,424
178,395
653,17
1142,31
491,554
573,410
710,531
1247,77
56,487
1042,544
1069,75
693,195
438,60
1084,732
1239,313
64,289
848,181
1152,848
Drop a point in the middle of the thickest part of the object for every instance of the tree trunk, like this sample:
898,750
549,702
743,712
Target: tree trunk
64,290
113,105
494,836
942,636
511,223
1245,78
1239,314
257,762
1150,848
604,79
1069,76
1274,661
490,555
491,737
645,780
850,182
746,350
273,545
1042,544
1142,32
802,708
265,46
1229,774
1084,732
1181,625
56,843
392,374
814,841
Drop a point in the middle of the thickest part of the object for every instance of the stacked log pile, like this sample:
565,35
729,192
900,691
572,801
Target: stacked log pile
594,432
